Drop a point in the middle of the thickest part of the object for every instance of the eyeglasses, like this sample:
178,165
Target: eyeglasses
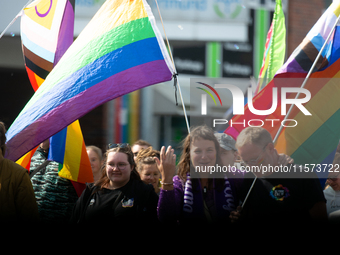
120,166
116,145
257,160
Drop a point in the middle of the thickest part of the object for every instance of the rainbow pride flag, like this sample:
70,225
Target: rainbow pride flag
119,51
70,151
314,139
25,161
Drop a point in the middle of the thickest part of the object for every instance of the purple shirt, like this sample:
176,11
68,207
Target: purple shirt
183,204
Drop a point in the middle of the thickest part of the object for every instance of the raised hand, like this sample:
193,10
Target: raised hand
166,165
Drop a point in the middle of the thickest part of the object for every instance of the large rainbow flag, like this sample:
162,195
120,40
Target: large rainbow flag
119,51
315,138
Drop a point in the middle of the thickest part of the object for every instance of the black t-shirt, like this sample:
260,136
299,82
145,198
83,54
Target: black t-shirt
106,204
280,200
134,203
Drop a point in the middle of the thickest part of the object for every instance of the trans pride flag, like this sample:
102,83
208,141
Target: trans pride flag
315,138
119,51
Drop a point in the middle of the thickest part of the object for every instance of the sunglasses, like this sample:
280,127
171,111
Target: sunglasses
118,145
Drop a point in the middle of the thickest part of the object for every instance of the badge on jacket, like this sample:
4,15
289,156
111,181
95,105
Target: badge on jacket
127,203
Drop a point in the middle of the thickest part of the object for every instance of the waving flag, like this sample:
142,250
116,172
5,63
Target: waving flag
119,51
68,148
275,48
314,139
25,161
47,32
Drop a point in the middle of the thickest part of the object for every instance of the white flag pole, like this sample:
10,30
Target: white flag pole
173,63
15,18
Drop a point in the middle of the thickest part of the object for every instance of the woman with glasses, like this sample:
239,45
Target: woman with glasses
119,197
197,194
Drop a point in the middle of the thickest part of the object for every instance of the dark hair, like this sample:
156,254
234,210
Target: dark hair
2,138
104,179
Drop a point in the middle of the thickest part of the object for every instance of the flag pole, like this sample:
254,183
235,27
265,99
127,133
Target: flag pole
302,86
250,189
15,18
173,64
184,110
308,75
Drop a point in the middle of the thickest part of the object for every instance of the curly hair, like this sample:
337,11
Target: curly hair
2,138
199,132
146,157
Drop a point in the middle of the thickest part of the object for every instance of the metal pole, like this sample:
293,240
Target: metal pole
307,77
15,18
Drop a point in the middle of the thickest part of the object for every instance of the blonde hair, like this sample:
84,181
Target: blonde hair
141,143
253,135
97,150
146,157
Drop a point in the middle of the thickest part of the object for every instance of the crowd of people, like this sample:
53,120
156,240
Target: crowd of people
138,185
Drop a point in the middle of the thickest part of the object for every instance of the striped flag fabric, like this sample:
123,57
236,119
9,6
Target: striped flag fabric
119,51
68,148
25,161
46,32
275,48
310,139
316,143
